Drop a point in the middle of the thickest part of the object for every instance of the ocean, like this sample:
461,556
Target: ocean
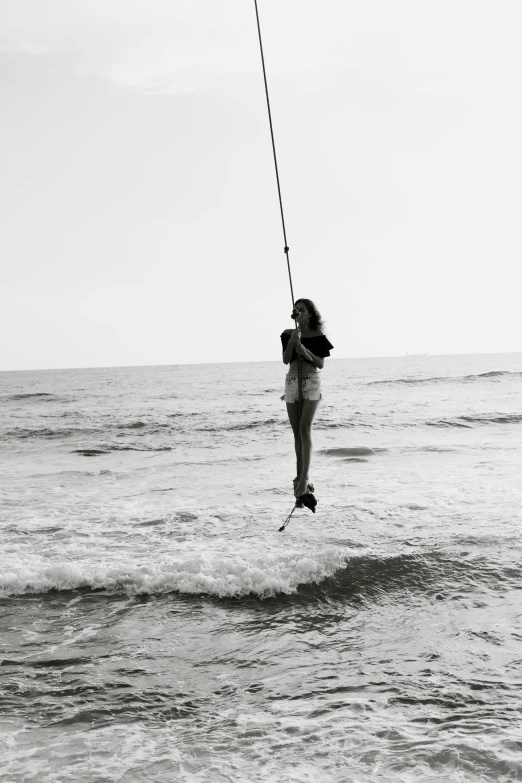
156,626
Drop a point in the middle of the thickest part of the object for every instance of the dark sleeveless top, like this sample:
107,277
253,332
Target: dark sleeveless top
319,346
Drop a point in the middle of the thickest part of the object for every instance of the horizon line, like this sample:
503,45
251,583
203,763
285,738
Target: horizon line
261,361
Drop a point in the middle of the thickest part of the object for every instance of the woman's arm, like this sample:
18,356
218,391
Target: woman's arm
317,361
287,353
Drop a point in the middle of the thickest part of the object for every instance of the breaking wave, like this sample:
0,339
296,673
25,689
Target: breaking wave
330,575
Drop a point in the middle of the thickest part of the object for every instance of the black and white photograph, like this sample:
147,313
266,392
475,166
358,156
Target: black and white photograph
260,391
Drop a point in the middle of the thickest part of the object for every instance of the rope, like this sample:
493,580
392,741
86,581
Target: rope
287,520
286,251
286,248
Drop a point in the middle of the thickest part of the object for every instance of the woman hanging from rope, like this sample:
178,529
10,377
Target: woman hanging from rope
304,349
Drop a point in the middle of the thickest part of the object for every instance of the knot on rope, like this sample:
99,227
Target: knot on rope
287,520
287,249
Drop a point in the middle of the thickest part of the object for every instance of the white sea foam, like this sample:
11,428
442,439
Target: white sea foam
222,576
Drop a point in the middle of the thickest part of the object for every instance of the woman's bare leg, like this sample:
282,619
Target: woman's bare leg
307,418
293,416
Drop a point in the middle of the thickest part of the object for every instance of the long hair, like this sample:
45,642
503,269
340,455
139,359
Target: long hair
315,321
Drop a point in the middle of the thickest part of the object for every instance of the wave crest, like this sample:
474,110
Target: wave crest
226,577
334,574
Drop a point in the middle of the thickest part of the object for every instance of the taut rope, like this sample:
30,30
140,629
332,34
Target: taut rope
286,248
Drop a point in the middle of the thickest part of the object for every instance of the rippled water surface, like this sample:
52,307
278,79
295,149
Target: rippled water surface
156,626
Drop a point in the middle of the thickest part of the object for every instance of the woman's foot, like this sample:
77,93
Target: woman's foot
309,488
301,487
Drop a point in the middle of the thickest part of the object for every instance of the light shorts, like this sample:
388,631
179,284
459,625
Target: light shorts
311,387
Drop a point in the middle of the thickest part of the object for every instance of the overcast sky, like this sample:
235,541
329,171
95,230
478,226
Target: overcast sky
138,205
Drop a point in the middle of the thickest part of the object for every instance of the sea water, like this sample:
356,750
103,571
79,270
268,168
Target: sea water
156,625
